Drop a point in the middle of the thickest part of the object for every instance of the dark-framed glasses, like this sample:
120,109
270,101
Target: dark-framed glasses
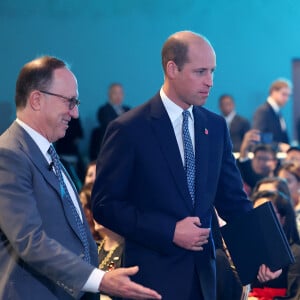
72,101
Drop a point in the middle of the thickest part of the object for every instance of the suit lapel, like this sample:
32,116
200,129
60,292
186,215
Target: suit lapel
33,152
201,157
164,132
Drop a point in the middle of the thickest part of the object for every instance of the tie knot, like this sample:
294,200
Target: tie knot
52,152
186,114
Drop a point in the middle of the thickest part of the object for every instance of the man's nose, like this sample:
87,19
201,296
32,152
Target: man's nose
209,79
74,112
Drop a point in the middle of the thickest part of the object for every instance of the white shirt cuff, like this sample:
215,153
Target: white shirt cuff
93,282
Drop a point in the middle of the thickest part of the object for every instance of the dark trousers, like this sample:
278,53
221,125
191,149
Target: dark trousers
196,292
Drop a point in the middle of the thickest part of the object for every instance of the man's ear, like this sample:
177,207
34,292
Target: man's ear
34,100
171,69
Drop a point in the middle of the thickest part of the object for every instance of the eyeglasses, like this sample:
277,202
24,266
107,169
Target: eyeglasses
72,101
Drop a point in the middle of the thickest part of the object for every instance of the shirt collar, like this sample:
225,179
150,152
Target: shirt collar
174,111
40,140
273,104
230,117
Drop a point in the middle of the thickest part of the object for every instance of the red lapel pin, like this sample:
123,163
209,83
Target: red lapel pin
206,131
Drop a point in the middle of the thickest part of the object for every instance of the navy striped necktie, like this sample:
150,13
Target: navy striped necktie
189,156
68,201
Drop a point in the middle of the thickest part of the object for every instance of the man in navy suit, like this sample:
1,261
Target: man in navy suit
162,168
267,118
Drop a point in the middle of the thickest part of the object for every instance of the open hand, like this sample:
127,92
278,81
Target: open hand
117,283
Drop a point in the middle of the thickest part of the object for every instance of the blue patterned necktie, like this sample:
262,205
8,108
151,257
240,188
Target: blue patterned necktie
68,201
189,156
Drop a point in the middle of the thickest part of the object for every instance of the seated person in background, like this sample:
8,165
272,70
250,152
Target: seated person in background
268,118
90,174
263,163
287,285
110,252
291,173
85,199
293,155
107,113
272,184
237,125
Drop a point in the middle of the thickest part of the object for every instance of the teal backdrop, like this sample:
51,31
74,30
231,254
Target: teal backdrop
120,40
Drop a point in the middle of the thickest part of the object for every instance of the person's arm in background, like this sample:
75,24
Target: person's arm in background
244,163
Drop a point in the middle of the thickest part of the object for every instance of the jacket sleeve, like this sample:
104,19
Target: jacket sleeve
22,227
111,203
230,200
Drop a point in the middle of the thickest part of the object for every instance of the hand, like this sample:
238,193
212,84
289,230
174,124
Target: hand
249,139
283,147
117,283
189,235
265,274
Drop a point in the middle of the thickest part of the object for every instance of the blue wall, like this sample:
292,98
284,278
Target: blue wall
107,41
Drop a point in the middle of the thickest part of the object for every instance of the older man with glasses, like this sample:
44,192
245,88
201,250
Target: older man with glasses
46,249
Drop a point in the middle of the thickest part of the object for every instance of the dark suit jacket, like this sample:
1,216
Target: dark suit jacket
105,115
141,192
266,120
238,127
39,245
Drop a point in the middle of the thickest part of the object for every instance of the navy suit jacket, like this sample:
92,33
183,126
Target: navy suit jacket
266,120
40,247
141,192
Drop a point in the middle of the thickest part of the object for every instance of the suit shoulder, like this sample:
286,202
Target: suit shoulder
211,116
264,108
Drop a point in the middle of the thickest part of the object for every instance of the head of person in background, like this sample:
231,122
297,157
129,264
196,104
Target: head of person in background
226,105
284,211
291,173
116,94
293,155
272,184
90,174
264,161
280,91
85,199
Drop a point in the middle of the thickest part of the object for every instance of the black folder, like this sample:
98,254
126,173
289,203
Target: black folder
257,238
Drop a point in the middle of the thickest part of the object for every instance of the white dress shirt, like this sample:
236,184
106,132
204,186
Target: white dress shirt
175,114
229,118
96,276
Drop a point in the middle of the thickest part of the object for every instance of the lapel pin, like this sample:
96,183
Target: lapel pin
206,131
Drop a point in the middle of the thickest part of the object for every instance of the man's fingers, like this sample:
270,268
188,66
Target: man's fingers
196,221
137,291
265,274
129,271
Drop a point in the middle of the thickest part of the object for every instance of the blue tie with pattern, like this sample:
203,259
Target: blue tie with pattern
67,200
189,156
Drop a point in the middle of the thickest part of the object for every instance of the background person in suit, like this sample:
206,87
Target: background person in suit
162,168
46,249
237,125
268,119
107,113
